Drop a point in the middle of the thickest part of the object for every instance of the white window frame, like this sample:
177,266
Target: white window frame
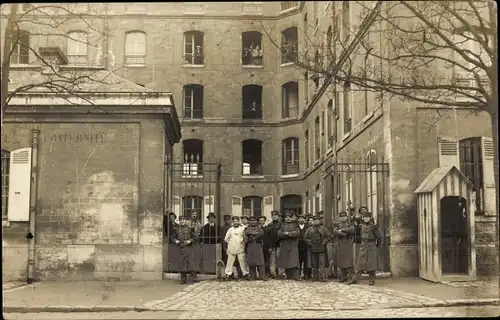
77,47
372,183
191,35
291,145
17,51
135,48
191,96
252,206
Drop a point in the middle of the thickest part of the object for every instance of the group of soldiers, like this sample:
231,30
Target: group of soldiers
290,246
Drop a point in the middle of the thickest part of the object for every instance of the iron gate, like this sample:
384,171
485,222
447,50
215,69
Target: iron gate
193,190
363,183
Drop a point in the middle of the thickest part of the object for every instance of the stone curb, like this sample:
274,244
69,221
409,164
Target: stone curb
446,303
35,309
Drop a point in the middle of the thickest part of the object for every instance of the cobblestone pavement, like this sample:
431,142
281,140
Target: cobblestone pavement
287,295
471,284
449,312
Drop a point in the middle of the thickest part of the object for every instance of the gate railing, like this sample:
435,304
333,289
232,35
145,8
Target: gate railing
193,190
352,184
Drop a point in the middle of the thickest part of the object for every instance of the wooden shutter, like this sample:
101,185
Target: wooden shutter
448,152
268,207
176,206
19,185
488,176
237,208
208,206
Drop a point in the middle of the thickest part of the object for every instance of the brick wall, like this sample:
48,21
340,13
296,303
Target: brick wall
92,220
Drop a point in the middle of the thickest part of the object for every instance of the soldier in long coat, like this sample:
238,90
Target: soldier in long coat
357,221
266,246
185,237
367,257
254,236
272,234
317,237
343,232
288,258
303,265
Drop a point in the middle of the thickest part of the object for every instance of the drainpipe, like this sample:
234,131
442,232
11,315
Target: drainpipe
33,196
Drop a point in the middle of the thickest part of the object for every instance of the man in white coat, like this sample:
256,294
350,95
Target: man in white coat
236,248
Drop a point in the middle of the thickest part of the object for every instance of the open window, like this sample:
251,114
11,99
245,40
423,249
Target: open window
252,157
192,204
291,203
317,139
252,48
291,156
252,101
135,48
290,99
193,101
193,48
252,206
5,182
193,158
77,47
289,45
20,47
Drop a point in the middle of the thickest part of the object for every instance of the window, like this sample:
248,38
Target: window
306,147
317,199
329,122
252,157
5,182
290,99
346,21
252,206
252,101
289,45
20,47
291,203
193,158
291,156
193,101
135,48
347,107
285,5
348,195
193,48
192,204
77,46
252,48
371,183
471,165
317,139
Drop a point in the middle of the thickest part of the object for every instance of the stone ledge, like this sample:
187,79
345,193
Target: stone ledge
104,308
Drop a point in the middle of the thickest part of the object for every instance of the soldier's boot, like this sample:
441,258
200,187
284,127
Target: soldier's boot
253,273
262,273
354,278
371,274
194,277
343,275
307,273
183,277
322,274
246,277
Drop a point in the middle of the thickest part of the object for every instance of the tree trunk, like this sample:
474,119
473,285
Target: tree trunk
6,58
494,129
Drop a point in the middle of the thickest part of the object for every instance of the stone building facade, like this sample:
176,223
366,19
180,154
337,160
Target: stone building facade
274,129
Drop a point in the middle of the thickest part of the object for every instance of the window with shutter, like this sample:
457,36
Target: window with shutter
252,206
176,206
448,152
236,206
19,185
208,206
371,183
489,194
348,195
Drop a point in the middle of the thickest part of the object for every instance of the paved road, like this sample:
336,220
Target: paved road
482,311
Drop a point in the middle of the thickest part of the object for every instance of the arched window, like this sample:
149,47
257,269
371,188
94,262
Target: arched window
371,183
290,99
252,101
289,45
193,47
192,204
291,203
252,206
252,48
252,157
329,122
77,47
135,48
20,47
290,156
193,101
193,158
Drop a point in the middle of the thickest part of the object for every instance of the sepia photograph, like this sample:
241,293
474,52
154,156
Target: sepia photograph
250,160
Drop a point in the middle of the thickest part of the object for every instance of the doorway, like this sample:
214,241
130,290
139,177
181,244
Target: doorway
454,235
